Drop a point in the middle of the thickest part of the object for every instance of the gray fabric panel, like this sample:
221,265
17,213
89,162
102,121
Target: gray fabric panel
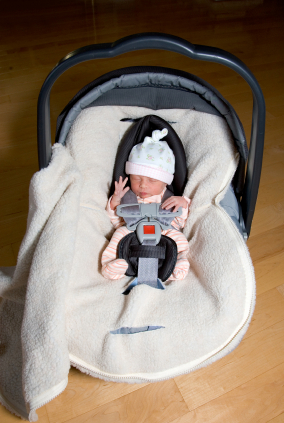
155,98
231,206
131,198
135,211
130,331
160,80
147,271
148,268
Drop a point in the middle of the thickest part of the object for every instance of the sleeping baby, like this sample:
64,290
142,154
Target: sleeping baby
150,167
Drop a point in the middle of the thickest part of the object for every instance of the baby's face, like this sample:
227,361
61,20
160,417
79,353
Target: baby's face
145,187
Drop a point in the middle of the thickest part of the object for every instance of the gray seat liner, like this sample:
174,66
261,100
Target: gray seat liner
176,89
155,98
231,206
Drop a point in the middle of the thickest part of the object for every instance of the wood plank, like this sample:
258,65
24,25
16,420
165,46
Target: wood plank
273,137
266,244
15,248
269,195
268,311
259,400
13,229
280,289
249,360
42,412
278,419
23,156
272,173
273,150
269,217
158,403
269,272
7,417
85,393
15,188
7,257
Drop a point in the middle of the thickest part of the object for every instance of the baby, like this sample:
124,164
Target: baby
150,167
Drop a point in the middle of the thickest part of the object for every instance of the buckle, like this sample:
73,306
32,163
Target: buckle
148,230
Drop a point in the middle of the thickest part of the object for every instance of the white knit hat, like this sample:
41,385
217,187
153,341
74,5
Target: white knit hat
152,158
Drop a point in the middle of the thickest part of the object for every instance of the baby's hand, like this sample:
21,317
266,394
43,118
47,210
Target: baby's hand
119,192
175,202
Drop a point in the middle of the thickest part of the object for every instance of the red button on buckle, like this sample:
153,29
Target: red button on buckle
149,229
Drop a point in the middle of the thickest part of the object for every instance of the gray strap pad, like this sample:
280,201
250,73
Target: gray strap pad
147,251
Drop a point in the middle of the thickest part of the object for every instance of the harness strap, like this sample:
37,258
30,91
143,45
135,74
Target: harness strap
148,268
131,198
147,251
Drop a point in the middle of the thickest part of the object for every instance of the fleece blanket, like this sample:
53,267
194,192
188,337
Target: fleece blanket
58,309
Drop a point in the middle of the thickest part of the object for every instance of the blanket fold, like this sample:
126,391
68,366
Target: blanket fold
40,282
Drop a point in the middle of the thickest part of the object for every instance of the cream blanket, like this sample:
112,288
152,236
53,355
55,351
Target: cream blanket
58,309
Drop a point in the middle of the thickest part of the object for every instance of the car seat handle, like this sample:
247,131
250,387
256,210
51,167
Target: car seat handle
178,45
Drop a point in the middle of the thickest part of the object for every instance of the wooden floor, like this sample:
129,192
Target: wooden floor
248,384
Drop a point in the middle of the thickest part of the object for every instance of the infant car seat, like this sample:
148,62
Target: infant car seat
125,96
68,311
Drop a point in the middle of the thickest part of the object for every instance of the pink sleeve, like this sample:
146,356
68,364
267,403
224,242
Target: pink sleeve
182,265
117,221
113,267
179,221
181,268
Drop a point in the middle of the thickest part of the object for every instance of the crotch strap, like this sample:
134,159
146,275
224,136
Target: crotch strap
148,268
